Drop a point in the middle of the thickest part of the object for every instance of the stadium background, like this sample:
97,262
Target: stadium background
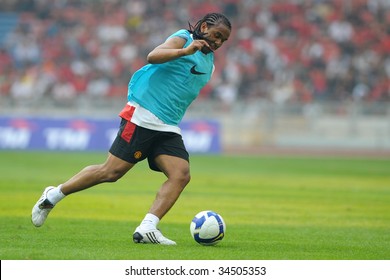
295,76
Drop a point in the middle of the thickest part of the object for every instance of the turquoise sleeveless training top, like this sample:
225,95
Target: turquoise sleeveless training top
168,89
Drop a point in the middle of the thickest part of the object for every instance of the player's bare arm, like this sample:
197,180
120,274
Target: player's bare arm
173,48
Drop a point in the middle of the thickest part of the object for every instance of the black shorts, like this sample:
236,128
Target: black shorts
134,143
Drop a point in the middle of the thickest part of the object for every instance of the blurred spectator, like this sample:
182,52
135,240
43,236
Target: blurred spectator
64,92
22,88
98,86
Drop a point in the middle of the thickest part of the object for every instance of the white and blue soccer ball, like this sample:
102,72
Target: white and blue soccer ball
208,228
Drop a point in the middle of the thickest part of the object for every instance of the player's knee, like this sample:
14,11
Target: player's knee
112,175
183,177
185,180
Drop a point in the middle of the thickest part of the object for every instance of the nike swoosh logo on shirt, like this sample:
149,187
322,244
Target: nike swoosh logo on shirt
193,71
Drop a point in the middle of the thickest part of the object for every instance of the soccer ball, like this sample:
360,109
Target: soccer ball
207,228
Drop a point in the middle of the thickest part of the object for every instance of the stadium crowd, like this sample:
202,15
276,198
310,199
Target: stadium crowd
284,51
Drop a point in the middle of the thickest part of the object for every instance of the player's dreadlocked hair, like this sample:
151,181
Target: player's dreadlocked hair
212,19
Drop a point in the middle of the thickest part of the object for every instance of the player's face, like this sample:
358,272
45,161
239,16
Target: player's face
215,35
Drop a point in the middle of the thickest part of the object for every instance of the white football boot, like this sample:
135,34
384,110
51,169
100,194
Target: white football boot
41,209
151,236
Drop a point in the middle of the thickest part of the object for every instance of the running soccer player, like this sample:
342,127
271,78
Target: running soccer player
158,96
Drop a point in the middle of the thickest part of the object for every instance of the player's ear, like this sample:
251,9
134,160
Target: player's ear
203,27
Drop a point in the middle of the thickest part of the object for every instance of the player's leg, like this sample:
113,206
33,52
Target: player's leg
110,171
120,160
177,171
178,175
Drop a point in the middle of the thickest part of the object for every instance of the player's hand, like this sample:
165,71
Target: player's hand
197,45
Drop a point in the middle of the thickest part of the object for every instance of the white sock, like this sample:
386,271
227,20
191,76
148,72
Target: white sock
149,222
55,195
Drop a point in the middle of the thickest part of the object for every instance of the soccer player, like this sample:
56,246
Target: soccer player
158,96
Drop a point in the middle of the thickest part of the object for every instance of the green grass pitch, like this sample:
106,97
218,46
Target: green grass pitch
275,208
